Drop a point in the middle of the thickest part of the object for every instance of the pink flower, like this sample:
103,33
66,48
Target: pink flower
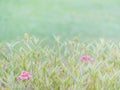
86,58
24,76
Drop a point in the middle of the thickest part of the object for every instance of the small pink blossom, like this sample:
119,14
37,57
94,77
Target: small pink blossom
24,76
86,58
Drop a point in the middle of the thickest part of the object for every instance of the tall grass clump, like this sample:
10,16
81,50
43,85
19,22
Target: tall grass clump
59,66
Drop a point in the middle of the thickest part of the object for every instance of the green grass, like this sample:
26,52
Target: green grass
59,67
87,19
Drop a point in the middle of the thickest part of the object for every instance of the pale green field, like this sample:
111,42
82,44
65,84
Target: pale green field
57,64
87,19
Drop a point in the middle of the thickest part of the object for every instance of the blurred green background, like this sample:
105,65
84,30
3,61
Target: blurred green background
87,19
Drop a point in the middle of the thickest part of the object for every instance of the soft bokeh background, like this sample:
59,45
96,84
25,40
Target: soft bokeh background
87,19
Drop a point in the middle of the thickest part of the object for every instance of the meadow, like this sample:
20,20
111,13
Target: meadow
68,65
59,45
87,19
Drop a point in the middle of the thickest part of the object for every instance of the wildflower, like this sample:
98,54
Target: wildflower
24,76
86,58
